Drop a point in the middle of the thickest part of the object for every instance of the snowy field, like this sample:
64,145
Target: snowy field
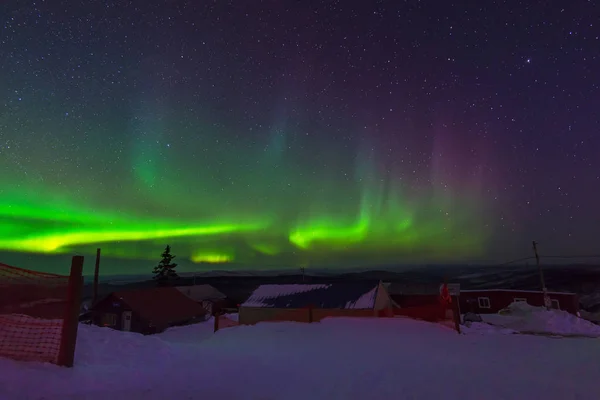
339,358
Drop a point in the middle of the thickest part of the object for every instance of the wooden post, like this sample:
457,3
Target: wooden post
68,337
543,281
96,274
456,312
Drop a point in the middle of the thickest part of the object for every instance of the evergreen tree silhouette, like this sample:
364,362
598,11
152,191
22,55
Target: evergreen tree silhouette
164,272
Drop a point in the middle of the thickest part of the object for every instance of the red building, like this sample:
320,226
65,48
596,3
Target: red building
493,300
146,311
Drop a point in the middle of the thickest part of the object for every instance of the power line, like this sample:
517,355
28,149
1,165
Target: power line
514,261
585,256
542,257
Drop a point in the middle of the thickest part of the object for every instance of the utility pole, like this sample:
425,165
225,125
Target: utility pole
547,301
96,277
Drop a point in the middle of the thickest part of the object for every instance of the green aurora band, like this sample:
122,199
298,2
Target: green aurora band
270,210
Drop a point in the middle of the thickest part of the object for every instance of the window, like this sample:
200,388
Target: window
555,304
109,319
520,300
484,302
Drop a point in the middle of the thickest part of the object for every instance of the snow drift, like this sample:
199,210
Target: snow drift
522,317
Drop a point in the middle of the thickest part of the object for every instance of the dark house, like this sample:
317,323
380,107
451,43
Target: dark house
493,300
313,302
146,311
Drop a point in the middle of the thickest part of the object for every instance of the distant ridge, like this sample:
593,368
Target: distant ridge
457,271
115,279
581,279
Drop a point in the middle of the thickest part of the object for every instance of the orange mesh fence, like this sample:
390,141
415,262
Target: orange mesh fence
32,308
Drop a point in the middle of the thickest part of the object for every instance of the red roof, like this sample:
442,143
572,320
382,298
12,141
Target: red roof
161,306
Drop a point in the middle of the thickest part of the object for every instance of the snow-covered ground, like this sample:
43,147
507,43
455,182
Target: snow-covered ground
524,318
339,358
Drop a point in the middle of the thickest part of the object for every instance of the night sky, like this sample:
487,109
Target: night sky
281,134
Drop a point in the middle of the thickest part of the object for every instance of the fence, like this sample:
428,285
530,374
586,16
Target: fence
39,314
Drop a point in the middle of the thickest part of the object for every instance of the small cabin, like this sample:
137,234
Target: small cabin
146,311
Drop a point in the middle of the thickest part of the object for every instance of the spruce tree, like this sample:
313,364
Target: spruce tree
164,272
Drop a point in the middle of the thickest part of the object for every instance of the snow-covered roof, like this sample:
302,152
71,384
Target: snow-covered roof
201,292
268,292
335,295
512,290
367,300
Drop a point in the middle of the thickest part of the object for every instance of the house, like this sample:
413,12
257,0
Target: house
313,302
206,295
491,301
146,311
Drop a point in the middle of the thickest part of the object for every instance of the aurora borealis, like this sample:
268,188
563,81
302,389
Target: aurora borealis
280,134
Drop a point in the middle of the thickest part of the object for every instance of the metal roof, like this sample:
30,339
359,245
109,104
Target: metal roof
201,292
336,295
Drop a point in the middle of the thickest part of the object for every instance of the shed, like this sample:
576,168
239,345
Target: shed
206,295
313,302
146,311
490,301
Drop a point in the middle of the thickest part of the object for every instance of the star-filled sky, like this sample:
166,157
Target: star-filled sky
283,133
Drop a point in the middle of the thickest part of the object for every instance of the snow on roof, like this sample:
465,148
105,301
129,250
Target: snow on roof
201,292
269,292
512,290
367,300
336,295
